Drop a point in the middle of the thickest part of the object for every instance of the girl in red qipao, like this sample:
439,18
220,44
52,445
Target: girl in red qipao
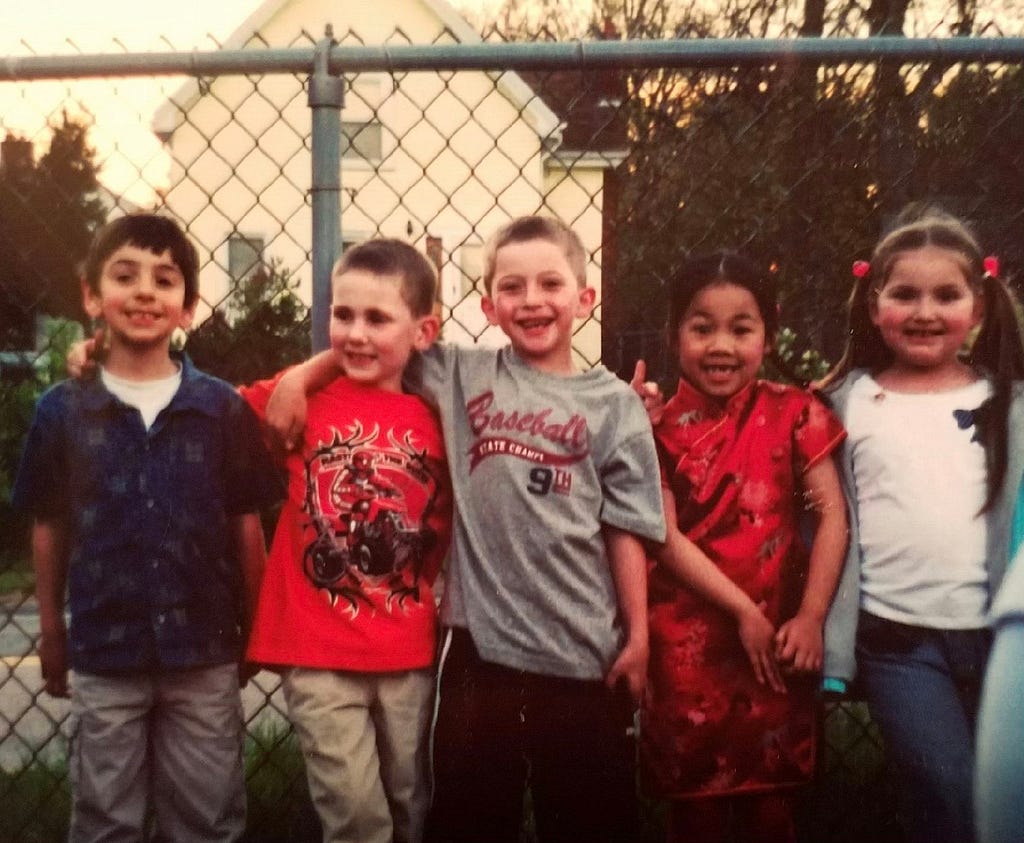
736,601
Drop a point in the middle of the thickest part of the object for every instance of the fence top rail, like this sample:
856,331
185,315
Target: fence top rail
582,55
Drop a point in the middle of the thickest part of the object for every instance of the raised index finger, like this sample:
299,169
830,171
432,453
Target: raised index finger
639,375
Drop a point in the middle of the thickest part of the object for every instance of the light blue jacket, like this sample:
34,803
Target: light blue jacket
841,624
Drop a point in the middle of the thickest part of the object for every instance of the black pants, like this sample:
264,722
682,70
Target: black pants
500,730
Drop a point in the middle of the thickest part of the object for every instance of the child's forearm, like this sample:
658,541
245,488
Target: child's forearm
828,549
692,568
250,549
285,413
49,561
628,563
316,372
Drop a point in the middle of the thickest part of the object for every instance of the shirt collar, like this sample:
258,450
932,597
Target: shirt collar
191,395
711,406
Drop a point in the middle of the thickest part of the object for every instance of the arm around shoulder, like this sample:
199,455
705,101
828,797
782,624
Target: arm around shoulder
286,409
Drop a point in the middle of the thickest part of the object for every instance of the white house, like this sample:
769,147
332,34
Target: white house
440,159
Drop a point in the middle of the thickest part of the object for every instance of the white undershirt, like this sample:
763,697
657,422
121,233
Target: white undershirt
920,483
148,397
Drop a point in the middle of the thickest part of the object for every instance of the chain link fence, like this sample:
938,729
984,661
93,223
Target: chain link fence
650,152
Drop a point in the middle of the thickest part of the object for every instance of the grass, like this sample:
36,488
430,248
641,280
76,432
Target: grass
35,801
279,806
850,801
17,578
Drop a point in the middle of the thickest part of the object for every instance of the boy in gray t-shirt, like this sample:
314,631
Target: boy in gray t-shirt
556,483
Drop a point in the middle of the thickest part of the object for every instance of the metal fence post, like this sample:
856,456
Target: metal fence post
326,99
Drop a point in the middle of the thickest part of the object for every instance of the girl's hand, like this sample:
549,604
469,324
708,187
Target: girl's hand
758,638
798,644
83,357
649,392
286,410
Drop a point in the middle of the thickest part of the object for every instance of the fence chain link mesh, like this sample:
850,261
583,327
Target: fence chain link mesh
797,165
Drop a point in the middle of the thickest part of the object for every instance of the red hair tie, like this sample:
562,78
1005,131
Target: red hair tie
991,264
861,268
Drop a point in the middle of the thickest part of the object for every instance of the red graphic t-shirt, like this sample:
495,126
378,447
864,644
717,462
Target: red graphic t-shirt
360,538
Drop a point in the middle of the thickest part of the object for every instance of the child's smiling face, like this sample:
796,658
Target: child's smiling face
721,340
373,331
535,298
926,309
140,296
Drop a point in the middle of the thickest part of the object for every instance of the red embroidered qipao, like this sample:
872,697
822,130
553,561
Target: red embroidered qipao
708,728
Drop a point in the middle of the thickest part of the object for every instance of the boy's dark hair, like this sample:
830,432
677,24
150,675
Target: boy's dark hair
535,227
389,256
998,347
152,232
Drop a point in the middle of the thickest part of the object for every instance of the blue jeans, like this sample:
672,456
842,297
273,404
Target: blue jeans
922,687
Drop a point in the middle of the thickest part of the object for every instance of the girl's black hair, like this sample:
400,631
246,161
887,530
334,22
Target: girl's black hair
726,267
998,348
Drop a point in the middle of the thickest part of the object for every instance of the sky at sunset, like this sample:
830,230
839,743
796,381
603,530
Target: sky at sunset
121,137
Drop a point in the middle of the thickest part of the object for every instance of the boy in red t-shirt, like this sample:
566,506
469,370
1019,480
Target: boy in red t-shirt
346,610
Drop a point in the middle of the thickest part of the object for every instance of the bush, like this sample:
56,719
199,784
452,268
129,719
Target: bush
18,395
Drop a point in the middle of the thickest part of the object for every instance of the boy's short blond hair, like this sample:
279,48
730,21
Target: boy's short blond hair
536,227
389,256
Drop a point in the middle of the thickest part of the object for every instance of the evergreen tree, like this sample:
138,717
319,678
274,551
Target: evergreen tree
48,212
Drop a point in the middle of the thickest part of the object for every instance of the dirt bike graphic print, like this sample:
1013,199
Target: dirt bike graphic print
369,497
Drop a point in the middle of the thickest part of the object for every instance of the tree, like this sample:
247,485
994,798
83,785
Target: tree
48,212
264,328
800,166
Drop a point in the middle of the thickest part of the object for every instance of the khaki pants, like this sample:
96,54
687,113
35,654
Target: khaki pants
364,739
169,740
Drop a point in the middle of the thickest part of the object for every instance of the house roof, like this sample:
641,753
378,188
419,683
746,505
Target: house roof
589,105
534,110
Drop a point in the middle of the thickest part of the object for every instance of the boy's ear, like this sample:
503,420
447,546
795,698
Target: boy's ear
587,299
427,330
187,315
90,301
487,306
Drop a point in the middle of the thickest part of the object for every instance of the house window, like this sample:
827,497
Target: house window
245,256
361,140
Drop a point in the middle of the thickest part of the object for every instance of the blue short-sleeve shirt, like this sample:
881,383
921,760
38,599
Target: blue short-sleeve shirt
151,578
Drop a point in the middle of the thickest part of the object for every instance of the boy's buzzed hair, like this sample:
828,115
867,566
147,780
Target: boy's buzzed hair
537,227
390,256
152,232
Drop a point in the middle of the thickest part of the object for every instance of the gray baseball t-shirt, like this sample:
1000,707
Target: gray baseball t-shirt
539,462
